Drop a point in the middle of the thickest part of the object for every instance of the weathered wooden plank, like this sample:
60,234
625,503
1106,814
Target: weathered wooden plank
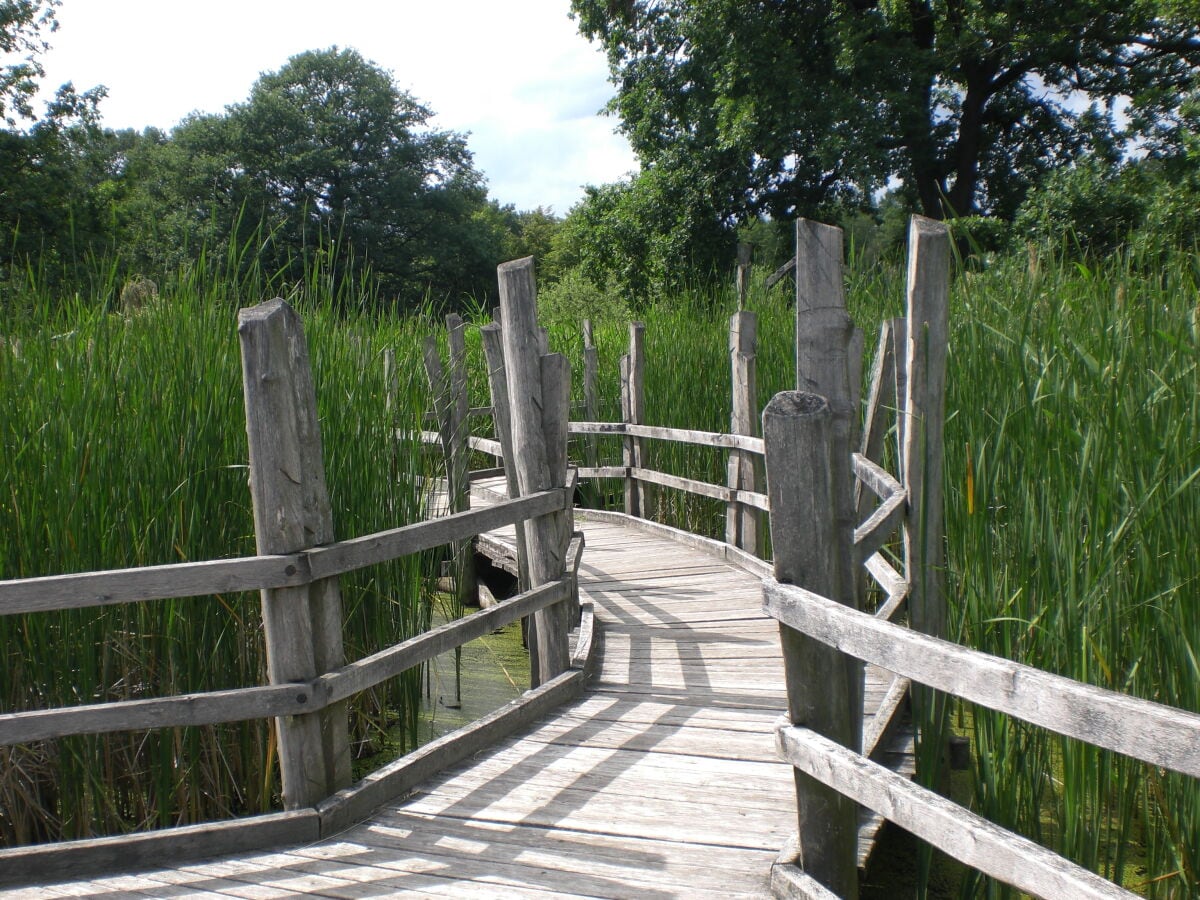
742,442
302,625
703,488
378,667
352,804
953,829
87,589
235,705
1157,734
125,852
358,553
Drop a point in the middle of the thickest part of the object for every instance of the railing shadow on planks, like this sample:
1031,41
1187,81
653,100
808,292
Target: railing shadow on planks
297,572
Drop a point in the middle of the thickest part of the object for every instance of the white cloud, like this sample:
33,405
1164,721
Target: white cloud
517,76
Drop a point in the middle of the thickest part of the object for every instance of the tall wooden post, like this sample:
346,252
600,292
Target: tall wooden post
302,625
493,351
924,418
744,252
591,391
743,524
801,455
539,395
823,339
451,406
633,411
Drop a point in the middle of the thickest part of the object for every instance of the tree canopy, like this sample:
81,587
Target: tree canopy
784,107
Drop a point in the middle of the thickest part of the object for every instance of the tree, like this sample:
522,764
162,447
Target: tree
332,154
790,106
23,26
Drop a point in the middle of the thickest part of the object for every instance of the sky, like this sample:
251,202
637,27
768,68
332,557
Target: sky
515,75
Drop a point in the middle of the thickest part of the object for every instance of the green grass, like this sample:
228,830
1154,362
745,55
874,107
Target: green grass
123,444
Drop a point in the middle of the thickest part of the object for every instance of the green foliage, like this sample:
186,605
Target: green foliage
23,26
785,109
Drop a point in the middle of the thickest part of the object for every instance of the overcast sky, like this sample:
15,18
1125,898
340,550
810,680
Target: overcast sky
516,75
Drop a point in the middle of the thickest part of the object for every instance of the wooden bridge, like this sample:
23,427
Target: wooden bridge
678,740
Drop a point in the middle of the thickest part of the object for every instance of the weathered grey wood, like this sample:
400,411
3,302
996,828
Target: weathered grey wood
924,417
378,667
633,410
823,364
390,380
545,537
885,719
87,589
743,527
591,390
353,804
779,274
798,432
719,549
358,553
682,435
493,350
943,823
21,865
887,517
1157,734
892,582
161,712
302,625
744,253
928,323
703,488
485,445
899,391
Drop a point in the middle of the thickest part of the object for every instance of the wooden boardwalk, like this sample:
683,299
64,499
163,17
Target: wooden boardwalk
660,781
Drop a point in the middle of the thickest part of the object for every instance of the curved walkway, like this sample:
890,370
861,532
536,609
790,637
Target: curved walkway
660,781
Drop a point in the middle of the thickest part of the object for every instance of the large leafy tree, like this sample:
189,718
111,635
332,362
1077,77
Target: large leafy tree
788,105
333,154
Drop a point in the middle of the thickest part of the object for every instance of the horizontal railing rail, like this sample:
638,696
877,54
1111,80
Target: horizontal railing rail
252,573
267,701
1150,732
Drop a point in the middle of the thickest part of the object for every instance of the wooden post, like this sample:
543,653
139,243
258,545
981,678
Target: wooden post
460,456
744,252
823,336
801,452
389,382
493,351
302,625
450,405
633,411
539,392
591,393
743,524
924,413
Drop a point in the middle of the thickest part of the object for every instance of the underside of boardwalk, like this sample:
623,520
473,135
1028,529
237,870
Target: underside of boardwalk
661,780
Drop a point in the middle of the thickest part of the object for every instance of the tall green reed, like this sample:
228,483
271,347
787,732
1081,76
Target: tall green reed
123,442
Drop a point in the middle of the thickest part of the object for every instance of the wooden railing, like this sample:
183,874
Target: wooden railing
297,572
825,637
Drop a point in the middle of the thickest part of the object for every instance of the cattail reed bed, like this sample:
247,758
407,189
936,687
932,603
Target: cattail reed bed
123,444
